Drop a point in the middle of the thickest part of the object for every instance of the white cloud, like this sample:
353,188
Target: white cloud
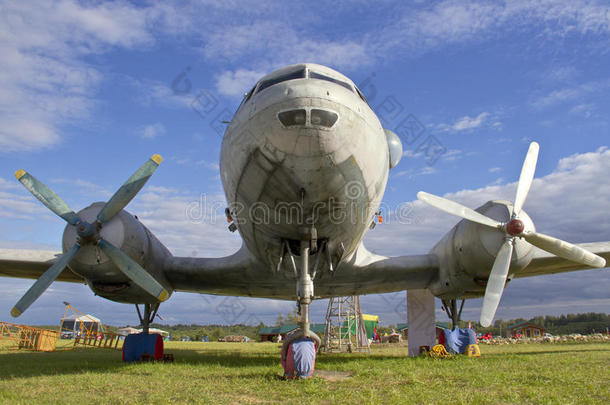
452,155
152,131
188,225
439,24
497,181
85,188
16,206
494,169
237,83
6,184
568,94
268,44
412,173
153,92
44,80
586,110
467,123
560,74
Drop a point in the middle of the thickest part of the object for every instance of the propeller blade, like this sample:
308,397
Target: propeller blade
47,196
134,271
43,282
496,282
129,189
564,249
526,177
457,209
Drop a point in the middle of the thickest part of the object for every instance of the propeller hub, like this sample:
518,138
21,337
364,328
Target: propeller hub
515,227
85,230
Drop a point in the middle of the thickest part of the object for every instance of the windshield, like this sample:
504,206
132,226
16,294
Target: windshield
298,74
314,75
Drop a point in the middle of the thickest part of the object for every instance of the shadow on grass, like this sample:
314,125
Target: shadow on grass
31,364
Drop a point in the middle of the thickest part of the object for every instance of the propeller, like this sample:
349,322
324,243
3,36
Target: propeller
514,228
89,234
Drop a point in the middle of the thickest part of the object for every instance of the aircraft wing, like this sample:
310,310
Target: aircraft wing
368,273
547,263
238,274
231,275
241,274
28,263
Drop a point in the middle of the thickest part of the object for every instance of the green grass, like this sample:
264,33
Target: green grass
250,373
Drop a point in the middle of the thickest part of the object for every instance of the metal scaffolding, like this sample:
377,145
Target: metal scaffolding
344,330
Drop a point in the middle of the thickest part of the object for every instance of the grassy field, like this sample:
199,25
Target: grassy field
250,373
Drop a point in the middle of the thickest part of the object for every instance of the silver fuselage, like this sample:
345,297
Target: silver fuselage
280,181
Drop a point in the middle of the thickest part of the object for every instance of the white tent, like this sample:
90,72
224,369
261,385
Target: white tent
86,323
129,331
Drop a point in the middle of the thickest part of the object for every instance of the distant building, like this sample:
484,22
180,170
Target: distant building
403,328
128,331
525,329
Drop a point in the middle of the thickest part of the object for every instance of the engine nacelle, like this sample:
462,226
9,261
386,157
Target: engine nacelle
128,234
467,253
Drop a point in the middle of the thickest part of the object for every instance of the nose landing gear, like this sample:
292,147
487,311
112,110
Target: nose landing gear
299,349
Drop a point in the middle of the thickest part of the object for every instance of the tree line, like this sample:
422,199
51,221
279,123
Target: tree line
585,324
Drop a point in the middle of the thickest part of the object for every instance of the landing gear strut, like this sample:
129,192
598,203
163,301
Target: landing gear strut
450,307
305,295
150,312
144,346
307,353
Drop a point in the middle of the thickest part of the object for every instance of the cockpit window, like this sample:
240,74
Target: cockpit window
361,95
292,118
298,74
247,97
323,118
314,75
249,94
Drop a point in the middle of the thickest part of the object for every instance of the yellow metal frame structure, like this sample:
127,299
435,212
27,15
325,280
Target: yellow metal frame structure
29,338
26,337
87,337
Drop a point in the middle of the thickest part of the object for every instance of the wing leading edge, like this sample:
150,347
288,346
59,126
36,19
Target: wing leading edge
29,263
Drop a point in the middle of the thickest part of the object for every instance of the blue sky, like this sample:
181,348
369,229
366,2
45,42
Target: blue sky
89,92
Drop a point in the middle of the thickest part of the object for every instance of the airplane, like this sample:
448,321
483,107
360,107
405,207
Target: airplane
304,165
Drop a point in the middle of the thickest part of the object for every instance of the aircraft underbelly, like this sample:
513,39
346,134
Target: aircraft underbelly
279,199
